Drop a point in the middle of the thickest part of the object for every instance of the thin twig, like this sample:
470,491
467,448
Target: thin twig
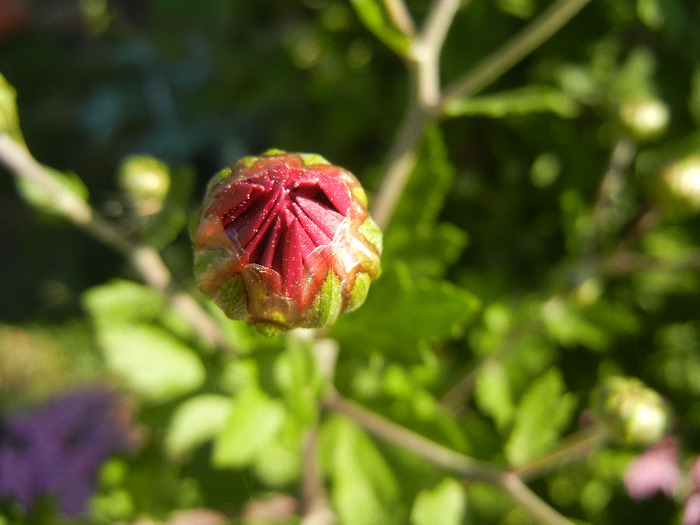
515,49
317,509
144,259
469,468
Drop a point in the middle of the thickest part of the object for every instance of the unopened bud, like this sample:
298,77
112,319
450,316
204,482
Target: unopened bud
634,413
647,118
683,181
147,181
284,240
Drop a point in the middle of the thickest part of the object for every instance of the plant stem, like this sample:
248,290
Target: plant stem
400,16
144,259
515,49
317,510
576,446
469,468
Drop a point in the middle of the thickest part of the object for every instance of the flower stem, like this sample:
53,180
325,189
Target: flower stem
468,468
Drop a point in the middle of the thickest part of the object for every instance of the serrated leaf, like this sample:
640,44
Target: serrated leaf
521,101
492,393
400,312
364,489
151,362
254,422
446,504
374,18
544,410
196,421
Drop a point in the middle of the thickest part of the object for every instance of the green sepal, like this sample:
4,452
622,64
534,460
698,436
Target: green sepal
328,304
232,299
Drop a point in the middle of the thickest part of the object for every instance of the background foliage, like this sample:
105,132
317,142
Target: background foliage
542,244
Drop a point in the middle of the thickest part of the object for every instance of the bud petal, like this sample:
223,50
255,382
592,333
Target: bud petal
284,240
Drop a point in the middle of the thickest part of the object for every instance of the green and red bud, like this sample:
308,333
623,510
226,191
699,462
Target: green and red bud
284,240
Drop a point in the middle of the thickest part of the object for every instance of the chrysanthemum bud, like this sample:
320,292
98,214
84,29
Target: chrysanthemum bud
634,413
284,240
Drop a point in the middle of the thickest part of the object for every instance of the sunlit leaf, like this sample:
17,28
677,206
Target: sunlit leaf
447,501
196,421
374,18
152,362
254,422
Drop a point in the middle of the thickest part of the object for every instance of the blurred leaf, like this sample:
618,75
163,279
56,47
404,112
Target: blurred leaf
70,189
364,489
447,500
121,301
492,393
520,101
374,18
9,118
163,227
152,362
401,311
254,422
281,462
594,326
543,412
196,421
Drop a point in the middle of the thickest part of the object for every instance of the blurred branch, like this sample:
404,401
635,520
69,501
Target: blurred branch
427,99
400,16
469,468
144,259
515,49
317,510
424,71
571,449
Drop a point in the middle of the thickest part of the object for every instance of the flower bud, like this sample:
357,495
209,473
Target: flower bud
634,413
647,117
682,179
147,181
284,240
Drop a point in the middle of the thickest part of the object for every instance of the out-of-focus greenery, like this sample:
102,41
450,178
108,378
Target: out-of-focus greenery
548,239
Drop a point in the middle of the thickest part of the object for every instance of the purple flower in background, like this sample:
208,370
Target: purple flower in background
656,470
56,450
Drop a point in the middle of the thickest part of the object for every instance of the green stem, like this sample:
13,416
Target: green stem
144,259
515,49
469,468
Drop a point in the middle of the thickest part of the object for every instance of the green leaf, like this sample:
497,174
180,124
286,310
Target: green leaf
70,190
121,301
401,311
521,101
196,421
544,410
493,394
414,236
152,362
254,422
9,117
364,489
447,501
374,18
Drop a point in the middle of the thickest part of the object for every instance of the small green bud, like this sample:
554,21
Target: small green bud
634,413
147,181
647,117
284,240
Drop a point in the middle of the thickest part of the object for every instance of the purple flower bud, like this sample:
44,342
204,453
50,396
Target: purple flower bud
284,240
